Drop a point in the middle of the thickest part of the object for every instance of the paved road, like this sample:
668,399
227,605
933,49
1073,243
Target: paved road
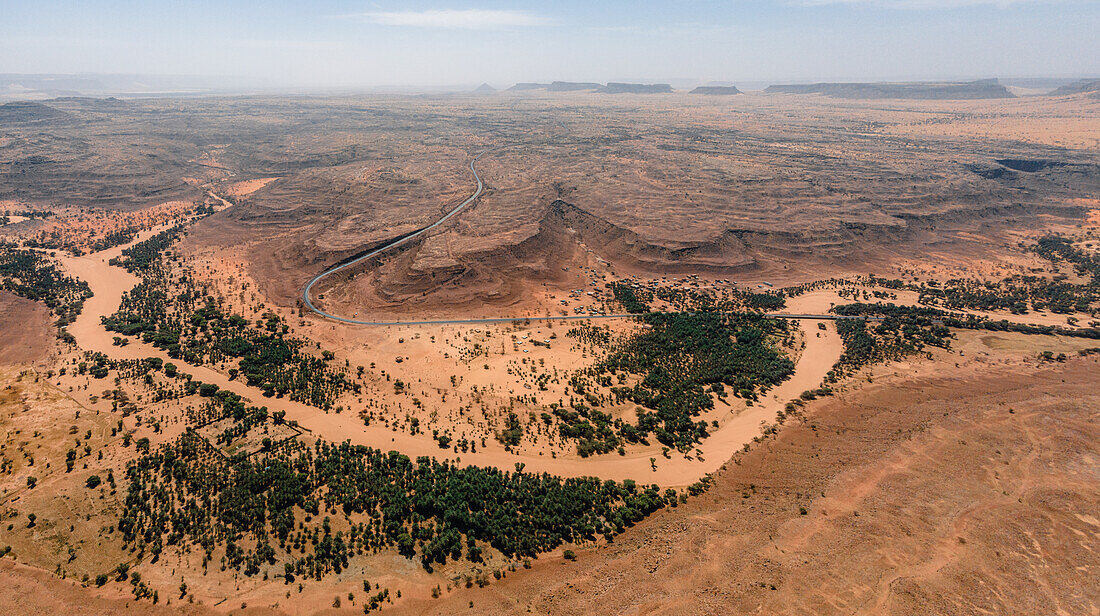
477,193
395,244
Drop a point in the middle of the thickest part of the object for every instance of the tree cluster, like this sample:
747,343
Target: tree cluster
168,310
678,361
312,508
32,275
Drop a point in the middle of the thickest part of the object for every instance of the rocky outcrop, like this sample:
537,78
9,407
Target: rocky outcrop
1078,87
716,90
27,112
572,86
585,86
557,86
635,88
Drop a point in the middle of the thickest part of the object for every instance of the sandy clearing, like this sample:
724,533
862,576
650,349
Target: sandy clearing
1094,218
32,339
247,187
823,349
30,591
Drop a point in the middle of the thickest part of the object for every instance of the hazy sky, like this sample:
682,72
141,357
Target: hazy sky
341,43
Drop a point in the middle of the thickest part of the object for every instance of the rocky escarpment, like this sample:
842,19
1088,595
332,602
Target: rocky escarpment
980,89
1078,87
798,191
500,275
583,86
564,223
635,88
557,86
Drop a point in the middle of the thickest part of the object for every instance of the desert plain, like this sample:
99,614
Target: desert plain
768,352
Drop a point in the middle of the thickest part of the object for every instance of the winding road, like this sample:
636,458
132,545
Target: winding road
308,301
396,244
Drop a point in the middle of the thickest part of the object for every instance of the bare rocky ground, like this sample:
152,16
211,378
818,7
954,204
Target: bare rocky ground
786,189
781,187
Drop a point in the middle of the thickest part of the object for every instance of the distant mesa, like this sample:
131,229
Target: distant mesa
24,112
955,90
720,90
572,86
635,88
50,85
528,85
586,86
558,86
91,100
484,89
1078,87
91,103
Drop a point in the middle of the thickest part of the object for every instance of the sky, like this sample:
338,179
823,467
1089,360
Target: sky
339,43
